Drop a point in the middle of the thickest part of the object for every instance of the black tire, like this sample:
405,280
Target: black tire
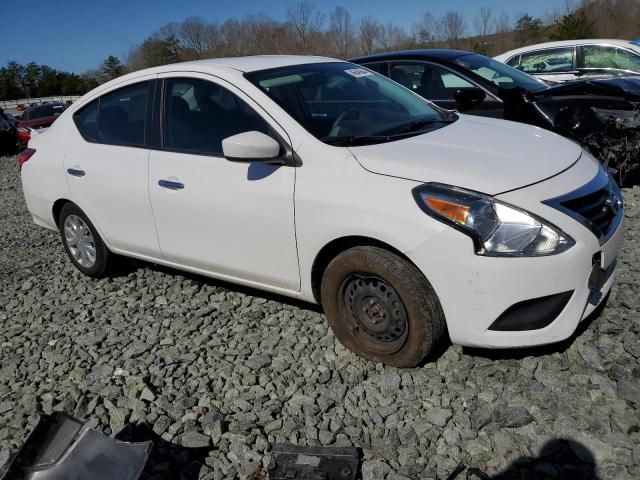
104,259
381,307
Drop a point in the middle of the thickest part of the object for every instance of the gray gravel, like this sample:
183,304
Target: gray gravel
207,364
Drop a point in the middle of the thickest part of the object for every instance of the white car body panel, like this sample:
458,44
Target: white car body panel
462,153
264,226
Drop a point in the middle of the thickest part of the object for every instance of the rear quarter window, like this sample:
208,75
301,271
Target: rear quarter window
86,120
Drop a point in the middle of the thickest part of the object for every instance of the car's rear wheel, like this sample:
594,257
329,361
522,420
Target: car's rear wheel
381,306
82,242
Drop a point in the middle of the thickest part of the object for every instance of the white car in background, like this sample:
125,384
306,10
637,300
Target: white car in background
324,181
576,59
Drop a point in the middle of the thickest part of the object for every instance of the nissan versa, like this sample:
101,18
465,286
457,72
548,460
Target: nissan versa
321,180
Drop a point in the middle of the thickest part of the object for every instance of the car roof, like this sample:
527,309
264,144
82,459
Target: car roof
569,43
431,53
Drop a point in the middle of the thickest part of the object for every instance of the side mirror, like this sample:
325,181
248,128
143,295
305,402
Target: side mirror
468,98
250,147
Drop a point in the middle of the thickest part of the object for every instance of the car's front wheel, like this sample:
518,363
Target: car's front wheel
381,306
83,243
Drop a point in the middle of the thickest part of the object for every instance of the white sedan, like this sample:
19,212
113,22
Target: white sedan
576,59
324,181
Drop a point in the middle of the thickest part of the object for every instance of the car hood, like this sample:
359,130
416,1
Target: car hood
481,154
626,87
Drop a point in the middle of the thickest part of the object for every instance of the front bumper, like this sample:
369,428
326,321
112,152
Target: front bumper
475,290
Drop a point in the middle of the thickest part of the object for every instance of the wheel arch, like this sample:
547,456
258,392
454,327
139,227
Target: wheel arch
335,247
57,208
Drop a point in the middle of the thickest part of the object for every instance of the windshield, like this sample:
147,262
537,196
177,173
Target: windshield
501,75
344,104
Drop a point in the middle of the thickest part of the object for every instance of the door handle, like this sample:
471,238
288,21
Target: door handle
171,185
75,172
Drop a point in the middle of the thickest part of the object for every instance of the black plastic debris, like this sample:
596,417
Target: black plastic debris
62,448
313,463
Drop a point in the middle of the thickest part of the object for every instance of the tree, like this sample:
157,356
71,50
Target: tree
341,31
198,36
484,23
573,26
424,31
528,29
306,21
112,68
370,31
452,27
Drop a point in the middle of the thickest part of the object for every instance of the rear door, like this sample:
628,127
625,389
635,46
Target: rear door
106,166
235,220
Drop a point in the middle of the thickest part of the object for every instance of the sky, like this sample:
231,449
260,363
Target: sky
78,35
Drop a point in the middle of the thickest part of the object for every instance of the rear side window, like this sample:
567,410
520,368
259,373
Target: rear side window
117,118
122,115
199,114
551,60
87,121
598,56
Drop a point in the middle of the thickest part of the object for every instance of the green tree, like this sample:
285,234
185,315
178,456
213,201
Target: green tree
528,29
112,67
573,26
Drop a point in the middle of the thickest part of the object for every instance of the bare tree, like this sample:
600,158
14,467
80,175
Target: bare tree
306,21
393,37
341,31
198,36
484,23
370,31
452,27
425,31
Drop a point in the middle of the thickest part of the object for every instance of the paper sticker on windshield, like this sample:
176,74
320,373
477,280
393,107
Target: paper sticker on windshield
358,72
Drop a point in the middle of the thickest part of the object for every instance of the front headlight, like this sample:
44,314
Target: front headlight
497,228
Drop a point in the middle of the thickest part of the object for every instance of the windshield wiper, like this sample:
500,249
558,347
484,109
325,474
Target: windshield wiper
354,140
420,124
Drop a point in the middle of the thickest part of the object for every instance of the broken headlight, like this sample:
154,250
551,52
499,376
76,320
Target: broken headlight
497,228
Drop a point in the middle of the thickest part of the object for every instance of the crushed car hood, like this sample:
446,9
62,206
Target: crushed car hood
481,154
626,87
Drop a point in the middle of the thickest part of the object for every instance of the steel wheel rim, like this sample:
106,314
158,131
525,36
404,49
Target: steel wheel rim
375,313
80,241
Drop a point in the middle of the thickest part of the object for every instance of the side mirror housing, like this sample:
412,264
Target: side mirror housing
468,98
251,147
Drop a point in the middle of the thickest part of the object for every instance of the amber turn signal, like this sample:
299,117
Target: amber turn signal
453,211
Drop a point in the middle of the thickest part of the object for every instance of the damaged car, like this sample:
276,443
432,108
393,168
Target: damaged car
602,115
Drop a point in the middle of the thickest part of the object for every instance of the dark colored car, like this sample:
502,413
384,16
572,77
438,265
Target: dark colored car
602,115
36,117
8,126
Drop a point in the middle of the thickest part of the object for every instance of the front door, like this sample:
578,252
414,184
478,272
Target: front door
235,220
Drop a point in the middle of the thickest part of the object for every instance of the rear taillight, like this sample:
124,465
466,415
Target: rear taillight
23,134
25,155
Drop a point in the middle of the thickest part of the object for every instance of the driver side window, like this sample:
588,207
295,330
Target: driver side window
428,80
199,114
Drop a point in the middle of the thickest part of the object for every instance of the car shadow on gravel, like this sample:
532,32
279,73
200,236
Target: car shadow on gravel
131,265
559,458
166,460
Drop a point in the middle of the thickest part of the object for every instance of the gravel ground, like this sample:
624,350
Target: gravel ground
221,372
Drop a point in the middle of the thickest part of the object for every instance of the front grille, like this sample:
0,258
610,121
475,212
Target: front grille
597,205
596,208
